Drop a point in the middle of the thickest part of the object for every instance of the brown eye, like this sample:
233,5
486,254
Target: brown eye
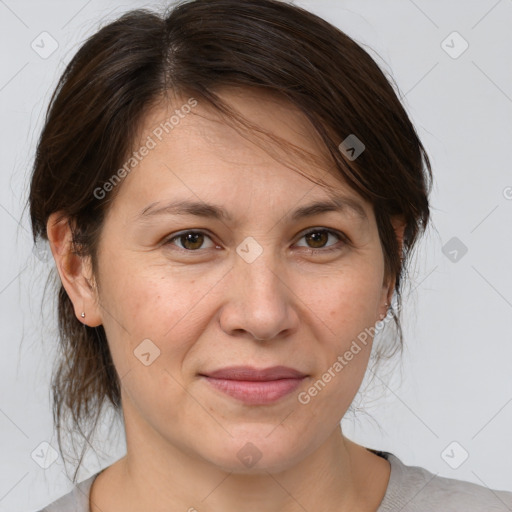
317,240
190,240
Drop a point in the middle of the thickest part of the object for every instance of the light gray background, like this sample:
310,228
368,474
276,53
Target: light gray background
456,382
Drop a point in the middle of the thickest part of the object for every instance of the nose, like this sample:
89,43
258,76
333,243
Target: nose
260,303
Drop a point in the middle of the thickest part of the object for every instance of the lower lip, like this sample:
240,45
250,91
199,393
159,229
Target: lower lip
256,392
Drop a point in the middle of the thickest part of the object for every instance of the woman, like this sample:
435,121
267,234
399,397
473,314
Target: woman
231,194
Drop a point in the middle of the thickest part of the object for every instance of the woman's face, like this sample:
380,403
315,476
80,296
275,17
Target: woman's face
244,289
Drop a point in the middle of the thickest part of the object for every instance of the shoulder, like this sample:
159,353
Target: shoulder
415,489
77,500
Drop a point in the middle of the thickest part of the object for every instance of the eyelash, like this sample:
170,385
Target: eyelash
342,238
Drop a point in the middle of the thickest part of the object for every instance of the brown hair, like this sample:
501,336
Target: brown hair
194,49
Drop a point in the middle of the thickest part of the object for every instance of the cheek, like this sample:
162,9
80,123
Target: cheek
151,329
346,304
159,304
347,301
148,299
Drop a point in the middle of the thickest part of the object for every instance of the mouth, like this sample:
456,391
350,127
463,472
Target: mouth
255,386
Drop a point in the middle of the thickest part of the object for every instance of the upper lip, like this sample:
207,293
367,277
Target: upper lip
250,373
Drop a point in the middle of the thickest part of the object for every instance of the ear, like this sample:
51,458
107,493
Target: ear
399,224
75,271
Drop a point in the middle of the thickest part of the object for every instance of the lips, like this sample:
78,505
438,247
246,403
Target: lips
248,373
255,386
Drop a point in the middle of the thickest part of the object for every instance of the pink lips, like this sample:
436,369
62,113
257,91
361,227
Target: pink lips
255,386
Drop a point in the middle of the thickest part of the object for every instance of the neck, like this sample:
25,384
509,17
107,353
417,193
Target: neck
338,475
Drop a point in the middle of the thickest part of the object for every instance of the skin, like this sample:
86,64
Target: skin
210,308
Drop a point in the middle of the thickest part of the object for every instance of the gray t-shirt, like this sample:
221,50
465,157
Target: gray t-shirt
410,489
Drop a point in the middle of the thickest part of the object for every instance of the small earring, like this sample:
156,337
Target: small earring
83,314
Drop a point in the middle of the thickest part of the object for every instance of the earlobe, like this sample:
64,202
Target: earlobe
74,270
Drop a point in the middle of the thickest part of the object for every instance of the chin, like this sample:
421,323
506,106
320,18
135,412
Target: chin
256,454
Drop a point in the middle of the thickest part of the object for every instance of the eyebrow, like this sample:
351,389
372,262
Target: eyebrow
339,204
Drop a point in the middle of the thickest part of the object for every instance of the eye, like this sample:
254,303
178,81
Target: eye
191,240
318,237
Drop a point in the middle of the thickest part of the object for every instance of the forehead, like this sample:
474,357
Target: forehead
266,112
200,153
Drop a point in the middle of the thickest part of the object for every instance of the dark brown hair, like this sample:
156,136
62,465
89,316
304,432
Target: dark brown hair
194,49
